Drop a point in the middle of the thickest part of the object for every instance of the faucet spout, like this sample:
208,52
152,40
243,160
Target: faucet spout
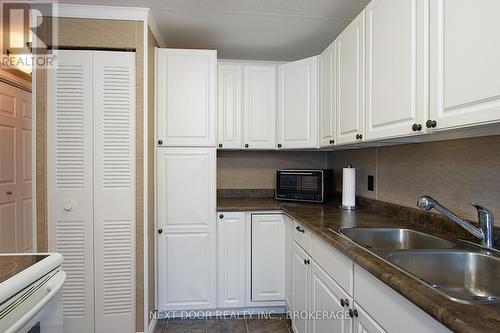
485,233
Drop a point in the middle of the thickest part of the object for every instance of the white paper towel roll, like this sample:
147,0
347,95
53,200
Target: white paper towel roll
349,187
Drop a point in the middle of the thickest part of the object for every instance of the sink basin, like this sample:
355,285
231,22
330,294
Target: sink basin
464,276
394,239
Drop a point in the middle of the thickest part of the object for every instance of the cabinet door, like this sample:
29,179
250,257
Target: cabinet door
351,81
325,297
327,96
363,323
186,215
231,263
268,257
288,261
300,287
464,66
185,92
298,104
229,131
396,67
259,102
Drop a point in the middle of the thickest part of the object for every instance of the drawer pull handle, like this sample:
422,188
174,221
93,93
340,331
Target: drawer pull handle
353,313
299,229
306,262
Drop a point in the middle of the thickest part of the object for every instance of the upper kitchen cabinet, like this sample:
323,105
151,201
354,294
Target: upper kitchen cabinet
327,107
259,107
350,74
229,131
298,104
185,90
464,66
396,68
246,106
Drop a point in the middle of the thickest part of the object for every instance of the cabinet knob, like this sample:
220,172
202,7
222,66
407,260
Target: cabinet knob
342,304
299,229
9,192
351,314
221,216
332,142
160,231
419,127
246,145
306,262
220,145
160,142
361,136
414,127
279,145
431,123
346,302
355,313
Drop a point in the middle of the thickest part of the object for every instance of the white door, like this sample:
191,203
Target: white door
114,190
300,287
70,182
298,104
363,323
259,107
327,297
186,100
396,68
327,108
187,228
16,232
231,263
351,81
464,66
268,257
229,129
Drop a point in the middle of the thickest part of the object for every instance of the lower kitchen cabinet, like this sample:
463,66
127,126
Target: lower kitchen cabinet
268,257
327,299
288,261
231,266
363,323
300,283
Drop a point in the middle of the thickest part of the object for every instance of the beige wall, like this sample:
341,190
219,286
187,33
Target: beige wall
92,33
257,170
454,172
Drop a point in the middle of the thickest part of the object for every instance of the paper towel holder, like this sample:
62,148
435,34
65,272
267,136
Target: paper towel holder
348,207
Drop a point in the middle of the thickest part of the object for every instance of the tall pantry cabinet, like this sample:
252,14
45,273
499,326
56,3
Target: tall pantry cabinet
91,186
185,173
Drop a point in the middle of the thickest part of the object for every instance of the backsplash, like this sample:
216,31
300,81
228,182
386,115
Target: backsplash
257,169
454,172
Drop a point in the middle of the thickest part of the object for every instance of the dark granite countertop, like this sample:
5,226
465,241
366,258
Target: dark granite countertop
319,218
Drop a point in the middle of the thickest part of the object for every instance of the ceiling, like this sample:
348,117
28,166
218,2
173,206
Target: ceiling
248,29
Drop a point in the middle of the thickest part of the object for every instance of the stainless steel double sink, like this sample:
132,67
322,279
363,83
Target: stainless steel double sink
461,271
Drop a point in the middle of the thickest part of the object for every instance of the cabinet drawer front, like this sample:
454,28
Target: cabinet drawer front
302,236
338,266
389,309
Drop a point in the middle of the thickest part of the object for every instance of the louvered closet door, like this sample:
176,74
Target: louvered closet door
69,165
114,191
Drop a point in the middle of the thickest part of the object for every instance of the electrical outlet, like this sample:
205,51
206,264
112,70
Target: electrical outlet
370,183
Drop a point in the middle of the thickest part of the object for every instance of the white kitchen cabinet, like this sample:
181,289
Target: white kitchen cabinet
229,113
186,100
268,257
300,287
288,261
327,108
298,100
326,296
464,66
186,220
231,263
350,92
259,107
363,323
396,68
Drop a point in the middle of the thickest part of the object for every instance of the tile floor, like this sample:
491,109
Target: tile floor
230,325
